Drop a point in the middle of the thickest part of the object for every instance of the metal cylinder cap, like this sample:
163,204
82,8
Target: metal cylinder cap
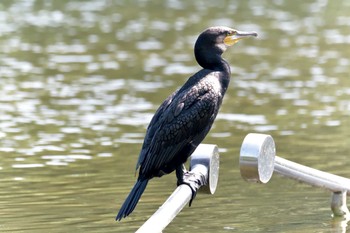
257,158
208,156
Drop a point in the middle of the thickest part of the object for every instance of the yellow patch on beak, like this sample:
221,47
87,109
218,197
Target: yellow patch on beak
231,40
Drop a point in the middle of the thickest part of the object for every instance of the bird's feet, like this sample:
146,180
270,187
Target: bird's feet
192,180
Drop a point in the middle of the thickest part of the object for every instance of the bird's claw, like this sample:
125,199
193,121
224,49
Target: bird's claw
192,180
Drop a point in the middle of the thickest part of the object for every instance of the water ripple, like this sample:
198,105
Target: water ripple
80,81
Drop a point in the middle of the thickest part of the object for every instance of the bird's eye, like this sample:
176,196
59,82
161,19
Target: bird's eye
231,33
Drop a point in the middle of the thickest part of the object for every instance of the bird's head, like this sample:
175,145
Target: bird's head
222,37
215,40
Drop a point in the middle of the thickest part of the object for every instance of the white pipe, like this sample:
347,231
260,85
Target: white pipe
168,211
311,176
258,161
204,172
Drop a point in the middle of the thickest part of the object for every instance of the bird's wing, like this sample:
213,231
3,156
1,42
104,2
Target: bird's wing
153,126
185,121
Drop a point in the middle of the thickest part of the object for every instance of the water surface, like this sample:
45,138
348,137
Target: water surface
80,81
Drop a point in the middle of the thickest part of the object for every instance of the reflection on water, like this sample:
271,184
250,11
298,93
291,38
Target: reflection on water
80,81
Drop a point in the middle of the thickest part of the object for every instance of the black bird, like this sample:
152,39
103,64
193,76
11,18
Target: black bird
186,116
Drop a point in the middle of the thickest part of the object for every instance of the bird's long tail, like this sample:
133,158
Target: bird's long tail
133,198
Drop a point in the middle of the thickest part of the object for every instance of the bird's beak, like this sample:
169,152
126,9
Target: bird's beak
238,35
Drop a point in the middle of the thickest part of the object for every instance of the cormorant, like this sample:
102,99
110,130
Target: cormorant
186,116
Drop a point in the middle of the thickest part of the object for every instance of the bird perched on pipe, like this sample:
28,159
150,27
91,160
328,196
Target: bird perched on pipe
183,120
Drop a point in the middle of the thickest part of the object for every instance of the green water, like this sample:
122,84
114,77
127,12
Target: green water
80,81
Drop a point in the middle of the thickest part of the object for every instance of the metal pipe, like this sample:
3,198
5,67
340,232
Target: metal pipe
311,176
168,211
204,171
258,161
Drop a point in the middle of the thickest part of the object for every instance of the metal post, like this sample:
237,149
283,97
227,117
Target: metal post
204,164
258,161
338,205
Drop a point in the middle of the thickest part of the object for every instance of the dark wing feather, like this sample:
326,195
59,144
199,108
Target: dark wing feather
153,126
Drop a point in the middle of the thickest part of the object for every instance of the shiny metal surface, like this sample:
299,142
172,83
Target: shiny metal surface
207,155
257,157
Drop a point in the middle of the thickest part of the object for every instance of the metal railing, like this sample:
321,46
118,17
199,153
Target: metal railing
204,166
258,161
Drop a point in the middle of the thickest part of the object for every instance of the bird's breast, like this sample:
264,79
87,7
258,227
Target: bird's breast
211,84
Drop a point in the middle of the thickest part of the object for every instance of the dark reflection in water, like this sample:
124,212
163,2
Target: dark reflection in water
80,81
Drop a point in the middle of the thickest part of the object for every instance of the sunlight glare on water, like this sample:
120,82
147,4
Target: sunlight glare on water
80,81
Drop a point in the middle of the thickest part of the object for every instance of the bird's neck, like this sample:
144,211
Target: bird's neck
212,60
225,67
225,78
